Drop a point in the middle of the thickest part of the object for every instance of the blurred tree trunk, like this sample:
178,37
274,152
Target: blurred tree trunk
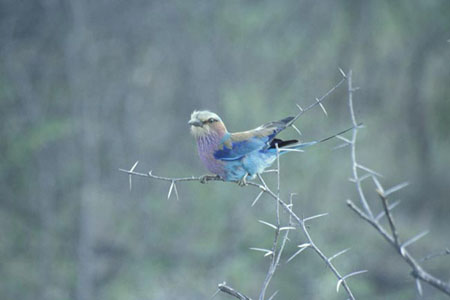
41,197
417,116
46,215
80,73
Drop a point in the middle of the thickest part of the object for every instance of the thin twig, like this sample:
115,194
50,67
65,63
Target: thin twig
389,217
391,207
362,197
276,254
318,101
224,288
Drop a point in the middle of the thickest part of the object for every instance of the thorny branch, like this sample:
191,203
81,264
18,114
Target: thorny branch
366,213
287,207
284,205
276,251
224,288
319,101
275,255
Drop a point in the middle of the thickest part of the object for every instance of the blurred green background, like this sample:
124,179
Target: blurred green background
87,87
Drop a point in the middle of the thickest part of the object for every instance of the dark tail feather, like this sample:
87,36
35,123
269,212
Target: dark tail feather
286,120
342,132
307,144
281,143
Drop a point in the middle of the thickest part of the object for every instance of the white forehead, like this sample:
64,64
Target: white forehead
204,115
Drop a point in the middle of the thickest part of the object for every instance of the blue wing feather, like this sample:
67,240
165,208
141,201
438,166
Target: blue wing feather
237,145
240,148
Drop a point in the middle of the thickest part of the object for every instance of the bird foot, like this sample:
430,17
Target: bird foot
206,178
243,181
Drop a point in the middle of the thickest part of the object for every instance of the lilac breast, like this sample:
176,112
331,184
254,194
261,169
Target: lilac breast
207,145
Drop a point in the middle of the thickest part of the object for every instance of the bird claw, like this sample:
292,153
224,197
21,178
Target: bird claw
205,178
243,181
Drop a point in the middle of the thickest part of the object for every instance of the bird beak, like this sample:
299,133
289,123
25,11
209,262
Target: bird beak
196,123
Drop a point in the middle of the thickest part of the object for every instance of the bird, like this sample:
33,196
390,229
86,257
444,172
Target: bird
240,155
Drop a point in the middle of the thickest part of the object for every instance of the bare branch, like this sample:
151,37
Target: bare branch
151,175
417,271
317,102
357,210
276,255
380,188
389,216
232,292
362,197
390,207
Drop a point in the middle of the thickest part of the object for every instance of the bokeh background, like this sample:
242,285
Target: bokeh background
87,87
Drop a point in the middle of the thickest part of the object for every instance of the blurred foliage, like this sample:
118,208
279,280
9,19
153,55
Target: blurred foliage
88,87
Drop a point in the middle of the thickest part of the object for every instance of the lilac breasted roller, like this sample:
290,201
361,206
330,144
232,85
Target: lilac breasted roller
236,156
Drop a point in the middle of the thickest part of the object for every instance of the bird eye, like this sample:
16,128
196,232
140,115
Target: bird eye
211,120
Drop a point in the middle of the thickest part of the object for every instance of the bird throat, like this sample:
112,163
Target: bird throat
208,143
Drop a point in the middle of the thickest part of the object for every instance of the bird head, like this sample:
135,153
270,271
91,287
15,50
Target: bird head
205,122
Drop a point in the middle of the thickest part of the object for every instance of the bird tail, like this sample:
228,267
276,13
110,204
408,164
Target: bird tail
300,146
